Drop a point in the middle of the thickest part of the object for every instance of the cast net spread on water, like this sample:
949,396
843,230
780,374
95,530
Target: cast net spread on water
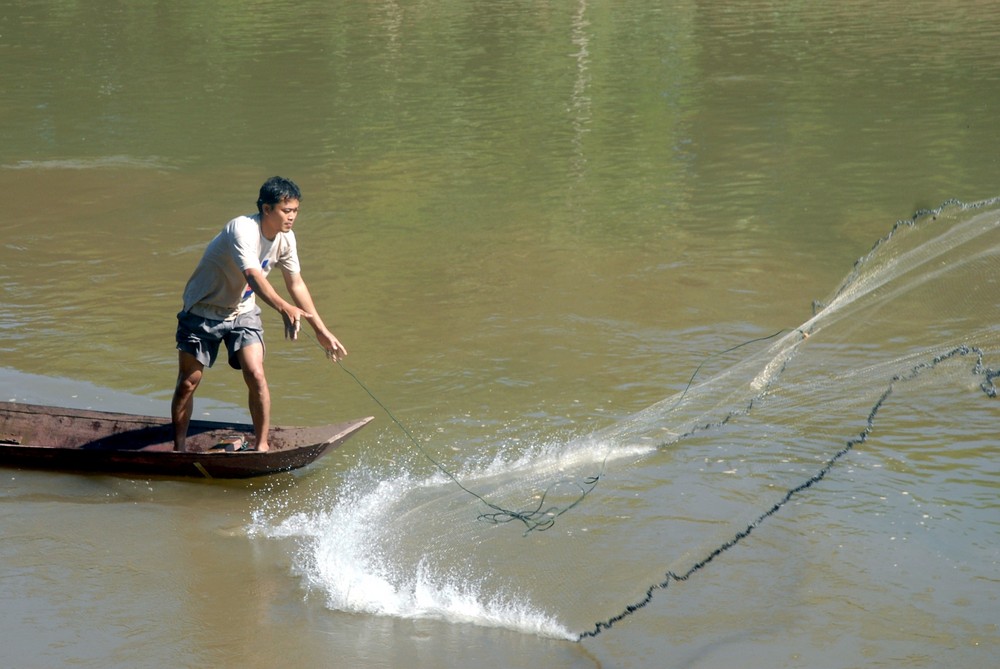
672,488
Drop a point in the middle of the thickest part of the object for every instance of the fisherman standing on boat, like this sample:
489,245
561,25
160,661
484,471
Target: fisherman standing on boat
220,305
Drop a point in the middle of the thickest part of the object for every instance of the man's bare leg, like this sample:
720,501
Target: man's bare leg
259,395
189,373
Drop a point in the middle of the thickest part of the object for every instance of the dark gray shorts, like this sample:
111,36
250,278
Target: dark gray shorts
201,336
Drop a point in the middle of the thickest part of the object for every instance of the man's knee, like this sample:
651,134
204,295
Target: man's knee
251,359
255,378
188,383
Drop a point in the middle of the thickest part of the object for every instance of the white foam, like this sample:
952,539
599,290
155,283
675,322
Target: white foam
348,553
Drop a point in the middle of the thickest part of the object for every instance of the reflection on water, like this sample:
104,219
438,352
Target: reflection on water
527,221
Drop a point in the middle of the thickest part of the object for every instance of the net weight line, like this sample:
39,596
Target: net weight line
987,386
539,518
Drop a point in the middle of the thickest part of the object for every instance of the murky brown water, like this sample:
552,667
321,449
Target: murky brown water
523,220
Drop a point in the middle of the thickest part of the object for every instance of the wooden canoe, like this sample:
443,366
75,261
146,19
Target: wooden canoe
42,437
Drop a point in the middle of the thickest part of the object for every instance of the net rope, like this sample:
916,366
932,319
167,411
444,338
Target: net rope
540,517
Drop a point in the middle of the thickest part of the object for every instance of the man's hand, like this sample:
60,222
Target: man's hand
334,349
292,316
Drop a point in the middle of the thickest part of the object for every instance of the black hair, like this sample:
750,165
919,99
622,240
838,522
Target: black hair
275,190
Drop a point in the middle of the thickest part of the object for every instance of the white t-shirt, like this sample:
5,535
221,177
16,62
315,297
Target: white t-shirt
218,289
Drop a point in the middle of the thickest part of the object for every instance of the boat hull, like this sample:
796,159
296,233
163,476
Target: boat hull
42,437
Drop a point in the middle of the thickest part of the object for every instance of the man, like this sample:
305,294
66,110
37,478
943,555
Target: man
220,305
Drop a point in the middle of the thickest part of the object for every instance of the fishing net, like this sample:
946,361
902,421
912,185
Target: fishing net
911,332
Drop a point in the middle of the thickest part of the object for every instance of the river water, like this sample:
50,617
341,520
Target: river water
548,233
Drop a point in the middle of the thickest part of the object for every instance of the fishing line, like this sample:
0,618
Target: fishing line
539,518
987,386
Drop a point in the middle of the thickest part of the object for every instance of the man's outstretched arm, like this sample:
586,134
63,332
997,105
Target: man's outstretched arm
299,291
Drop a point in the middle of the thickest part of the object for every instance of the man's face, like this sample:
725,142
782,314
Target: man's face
280,217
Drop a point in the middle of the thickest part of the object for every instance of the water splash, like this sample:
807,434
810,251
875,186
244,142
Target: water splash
374,545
